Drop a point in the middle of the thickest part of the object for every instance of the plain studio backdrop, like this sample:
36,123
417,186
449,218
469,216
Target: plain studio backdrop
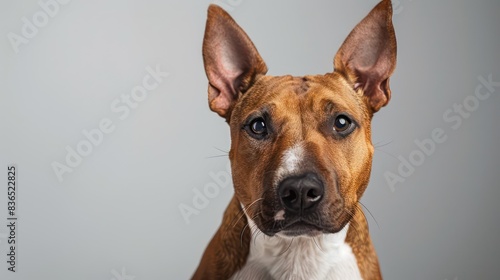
103,111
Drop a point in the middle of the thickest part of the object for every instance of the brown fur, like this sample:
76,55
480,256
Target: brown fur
228,249
300,110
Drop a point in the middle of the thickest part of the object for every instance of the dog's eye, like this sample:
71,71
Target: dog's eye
258,127
343,125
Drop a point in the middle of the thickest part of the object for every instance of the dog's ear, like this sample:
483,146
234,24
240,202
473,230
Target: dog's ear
368,55
232,62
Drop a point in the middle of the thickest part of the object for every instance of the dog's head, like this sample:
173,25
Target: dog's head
301,148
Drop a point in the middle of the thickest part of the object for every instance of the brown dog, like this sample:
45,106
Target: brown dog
301,155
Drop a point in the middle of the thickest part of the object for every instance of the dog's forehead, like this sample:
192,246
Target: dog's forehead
313,93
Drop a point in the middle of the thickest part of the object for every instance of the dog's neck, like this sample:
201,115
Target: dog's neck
326,256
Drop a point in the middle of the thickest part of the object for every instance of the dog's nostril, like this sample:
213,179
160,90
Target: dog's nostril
313,195
290,195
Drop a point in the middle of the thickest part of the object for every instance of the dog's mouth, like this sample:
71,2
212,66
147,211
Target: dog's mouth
300,227
296,227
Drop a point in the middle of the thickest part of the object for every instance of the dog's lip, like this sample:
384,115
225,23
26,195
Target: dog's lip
301,227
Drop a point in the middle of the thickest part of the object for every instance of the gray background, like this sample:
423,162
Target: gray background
117,214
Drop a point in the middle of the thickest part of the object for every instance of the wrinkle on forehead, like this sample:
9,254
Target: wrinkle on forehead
313,92
302,86
331,93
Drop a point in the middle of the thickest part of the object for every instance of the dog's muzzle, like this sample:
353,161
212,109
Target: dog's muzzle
300,197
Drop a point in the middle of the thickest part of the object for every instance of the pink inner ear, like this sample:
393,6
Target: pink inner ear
368,55
230,58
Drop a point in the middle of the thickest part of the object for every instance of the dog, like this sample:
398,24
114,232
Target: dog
301,155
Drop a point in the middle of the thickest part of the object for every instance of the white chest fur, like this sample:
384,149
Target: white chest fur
327,256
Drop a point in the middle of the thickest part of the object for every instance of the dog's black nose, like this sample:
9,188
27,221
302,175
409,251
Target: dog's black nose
301,193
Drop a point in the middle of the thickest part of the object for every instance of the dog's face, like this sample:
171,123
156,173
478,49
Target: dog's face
301,148
294,127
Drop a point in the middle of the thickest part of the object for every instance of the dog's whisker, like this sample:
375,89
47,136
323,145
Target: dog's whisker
382,144
255,238
353,222
255,229
221,150
216,156
359,209
317,245
385,152
369,212
238,217
225,153
287,248
243,211
255,201
241,234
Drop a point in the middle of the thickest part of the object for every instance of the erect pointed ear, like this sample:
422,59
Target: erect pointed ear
368,55
232,62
